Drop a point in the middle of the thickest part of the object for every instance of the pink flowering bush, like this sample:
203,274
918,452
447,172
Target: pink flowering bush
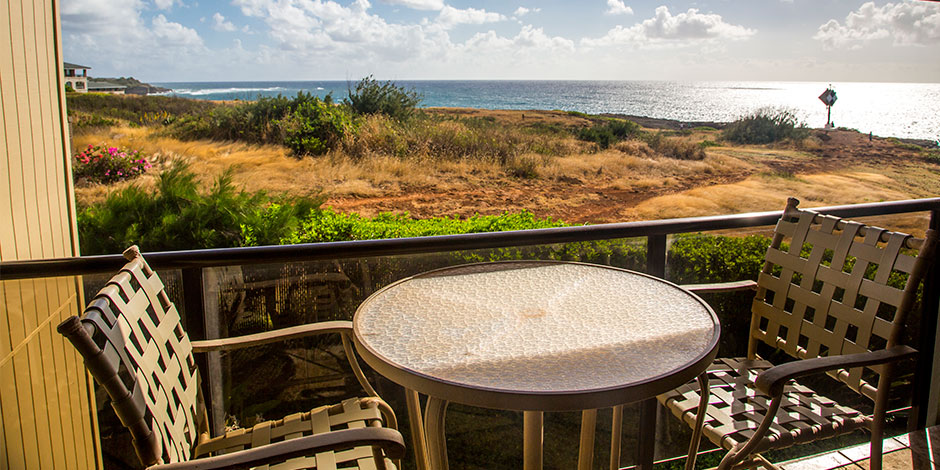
103,164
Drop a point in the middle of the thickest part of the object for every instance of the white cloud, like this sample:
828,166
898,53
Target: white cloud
114,38
418,4
522,11
219,23
617,7
450,17
163,4
665,28
907,24
170,34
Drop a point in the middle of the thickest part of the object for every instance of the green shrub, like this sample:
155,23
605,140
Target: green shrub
102,164
609,131
306,124
372,97
765,126
933,156
314,127
326,225
81,122
905,145
695,259
68,87
180,217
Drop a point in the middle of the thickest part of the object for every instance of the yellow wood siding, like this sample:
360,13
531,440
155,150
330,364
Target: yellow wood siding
47,415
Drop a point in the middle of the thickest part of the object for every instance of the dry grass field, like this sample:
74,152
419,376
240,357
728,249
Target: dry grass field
579,183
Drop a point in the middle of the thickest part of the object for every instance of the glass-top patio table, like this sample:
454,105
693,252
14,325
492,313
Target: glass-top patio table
535,336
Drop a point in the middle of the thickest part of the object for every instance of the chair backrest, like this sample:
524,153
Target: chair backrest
133,344
831,286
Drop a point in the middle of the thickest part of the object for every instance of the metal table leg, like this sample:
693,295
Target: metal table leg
616,435
416,424
532,440
586,449
434,425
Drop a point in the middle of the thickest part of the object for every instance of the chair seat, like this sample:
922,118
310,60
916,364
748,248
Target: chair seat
350,414
736,408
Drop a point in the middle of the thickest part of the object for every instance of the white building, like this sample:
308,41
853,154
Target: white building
76,76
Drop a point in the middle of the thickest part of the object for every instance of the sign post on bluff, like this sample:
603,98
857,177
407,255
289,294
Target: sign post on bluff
828,98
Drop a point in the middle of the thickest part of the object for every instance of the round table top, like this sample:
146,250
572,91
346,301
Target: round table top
536,335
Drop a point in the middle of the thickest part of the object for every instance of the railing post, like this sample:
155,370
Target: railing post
195,325
926,393
656,255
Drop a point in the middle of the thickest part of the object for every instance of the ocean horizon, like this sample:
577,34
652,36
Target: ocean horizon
904,110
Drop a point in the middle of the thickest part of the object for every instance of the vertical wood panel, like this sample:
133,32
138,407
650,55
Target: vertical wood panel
24,391
28,225
37,199
53,404
65,388
9,412
11,137
43,133
36,309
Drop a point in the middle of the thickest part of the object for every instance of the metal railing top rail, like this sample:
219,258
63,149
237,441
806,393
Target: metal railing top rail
404,246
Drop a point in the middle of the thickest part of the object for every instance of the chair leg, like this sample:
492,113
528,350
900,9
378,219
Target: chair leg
878,418
703,392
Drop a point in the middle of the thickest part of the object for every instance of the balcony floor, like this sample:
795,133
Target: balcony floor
897,456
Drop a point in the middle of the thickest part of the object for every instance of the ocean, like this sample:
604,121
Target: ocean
905,110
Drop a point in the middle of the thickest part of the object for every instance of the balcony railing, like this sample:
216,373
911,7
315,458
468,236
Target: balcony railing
298,283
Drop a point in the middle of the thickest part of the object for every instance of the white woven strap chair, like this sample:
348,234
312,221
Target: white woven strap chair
836,312
133,344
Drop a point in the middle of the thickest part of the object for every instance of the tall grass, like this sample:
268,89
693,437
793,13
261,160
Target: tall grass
764,126
135,109
451,139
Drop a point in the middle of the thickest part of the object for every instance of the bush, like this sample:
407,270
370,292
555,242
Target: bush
609,131
933,157
671,147
325,225
80,122
372,97
180,217
314,127
101,164
306,124
765,126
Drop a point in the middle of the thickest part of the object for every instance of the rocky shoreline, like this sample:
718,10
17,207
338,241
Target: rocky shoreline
133,85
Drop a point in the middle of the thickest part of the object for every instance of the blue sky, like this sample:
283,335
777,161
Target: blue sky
235,40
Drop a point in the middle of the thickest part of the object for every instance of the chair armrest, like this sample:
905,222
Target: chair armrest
772,380
721,287
294,332
388,440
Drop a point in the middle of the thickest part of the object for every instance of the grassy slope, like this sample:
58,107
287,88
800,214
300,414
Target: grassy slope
626,182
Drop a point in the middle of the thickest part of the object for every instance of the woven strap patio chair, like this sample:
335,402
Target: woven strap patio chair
134,346
832,294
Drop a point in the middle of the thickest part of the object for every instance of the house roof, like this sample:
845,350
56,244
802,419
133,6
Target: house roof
102,85
70,65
